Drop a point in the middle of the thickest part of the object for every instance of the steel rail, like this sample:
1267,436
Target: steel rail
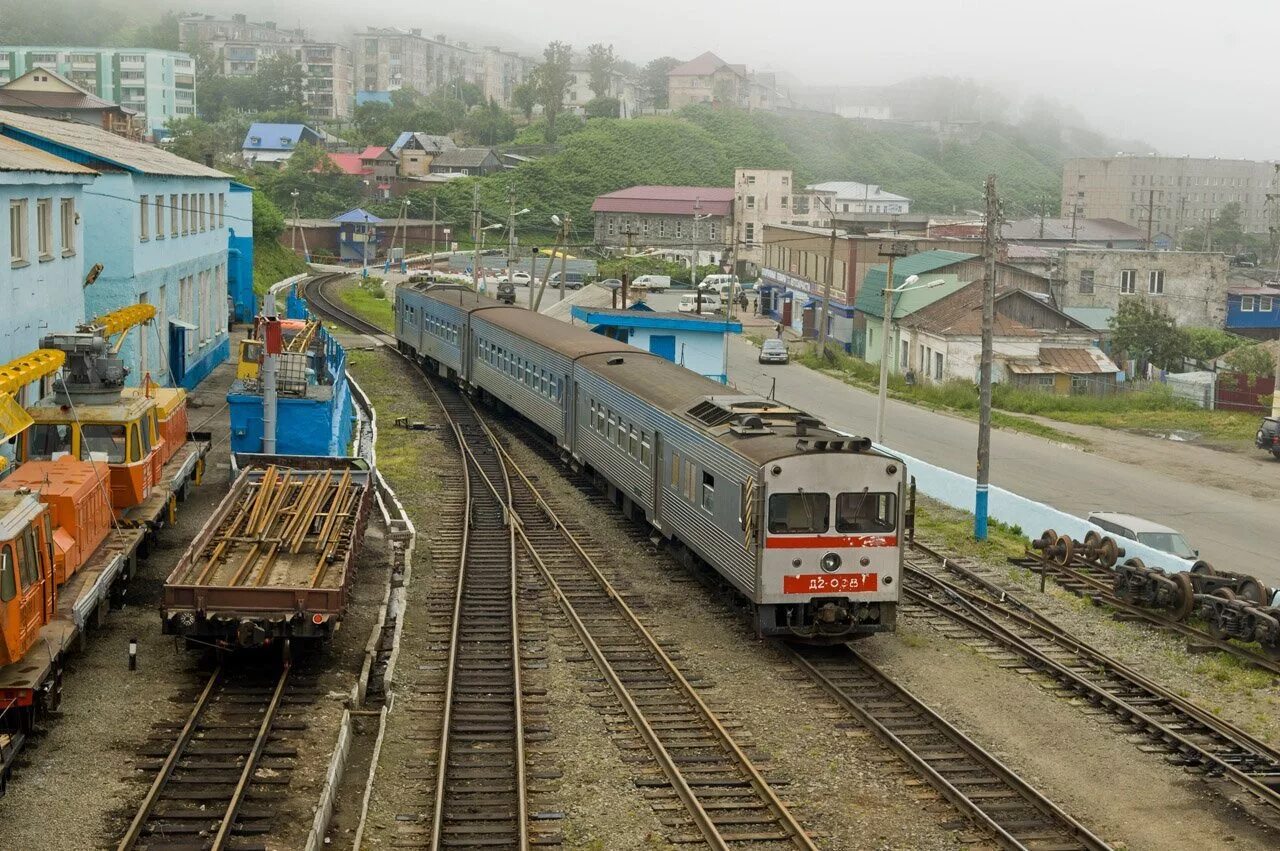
134,832
1105,591
223,835
922,765
983,623
798,835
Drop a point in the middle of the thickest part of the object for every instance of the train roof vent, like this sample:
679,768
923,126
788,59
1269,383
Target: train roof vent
750,424
615,361
709,412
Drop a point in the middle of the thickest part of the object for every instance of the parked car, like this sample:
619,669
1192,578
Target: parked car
572,280
611,283
652,283
1268,437
1144,532
774,351
710,302
519,278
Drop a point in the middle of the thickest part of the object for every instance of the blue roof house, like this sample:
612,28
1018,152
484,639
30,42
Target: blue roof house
156,224
44,272
275,143
695,342
357,235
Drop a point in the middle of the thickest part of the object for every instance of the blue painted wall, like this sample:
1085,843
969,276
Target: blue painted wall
43,296
240,252
1256,318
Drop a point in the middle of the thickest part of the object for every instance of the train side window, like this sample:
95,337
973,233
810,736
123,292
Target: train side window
644,449
49,442
29,566
8,583
862,511
798,513
600,418
621,439
688,480
675,470
103,443
608,433
708,491
633,443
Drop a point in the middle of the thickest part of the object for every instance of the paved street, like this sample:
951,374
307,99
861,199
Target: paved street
1232,530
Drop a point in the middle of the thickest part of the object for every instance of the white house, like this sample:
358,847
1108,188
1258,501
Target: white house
862,198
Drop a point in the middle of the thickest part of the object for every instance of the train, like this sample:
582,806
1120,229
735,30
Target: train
807,523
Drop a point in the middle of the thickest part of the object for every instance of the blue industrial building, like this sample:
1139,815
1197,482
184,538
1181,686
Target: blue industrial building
695,342
154,231
43,284
244,304
1254,312
314,409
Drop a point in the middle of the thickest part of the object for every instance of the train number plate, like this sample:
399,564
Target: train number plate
830,583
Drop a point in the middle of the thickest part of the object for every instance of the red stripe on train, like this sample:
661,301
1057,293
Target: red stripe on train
809,542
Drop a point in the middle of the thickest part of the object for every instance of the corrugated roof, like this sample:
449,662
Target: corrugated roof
15,156
357,216
263,136
98,144
1060,230
870,298
960,314
1096,318
462,157
12,95
852,190
1077,361
669,200
372,152
349,164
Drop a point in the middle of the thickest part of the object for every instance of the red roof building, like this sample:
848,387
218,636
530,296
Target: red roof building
352,164
675,217
667,200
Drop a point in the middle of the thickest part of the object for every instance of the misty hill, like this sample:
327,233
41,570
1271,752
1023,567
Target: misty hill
702,146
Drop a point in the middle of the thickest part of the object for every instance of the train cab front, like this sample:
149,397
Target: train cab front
831,559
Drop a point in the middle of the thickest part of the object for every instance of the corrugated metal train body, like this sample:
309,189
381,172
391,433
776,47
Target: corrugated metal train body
528,377
435,328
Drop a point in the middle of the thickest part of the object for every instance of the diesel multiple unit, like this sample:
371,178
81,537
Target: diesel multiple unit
806,522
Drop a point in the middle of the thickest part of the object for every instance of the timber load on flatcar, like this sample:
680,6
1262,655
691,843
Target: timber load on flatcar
277,559
807,523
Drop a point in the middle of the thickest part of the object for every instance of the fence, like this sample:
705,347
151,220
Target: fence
1240,392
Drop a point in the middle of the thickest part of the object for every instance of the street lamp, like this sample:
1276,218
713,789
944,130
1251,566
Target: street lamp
477,280
693,266
908,285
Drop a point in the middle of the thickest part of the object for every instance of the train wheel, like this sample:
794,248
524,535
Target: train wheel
1251,589
1215,626
1092,540
1203,568
1108,553
1063,551
1184,601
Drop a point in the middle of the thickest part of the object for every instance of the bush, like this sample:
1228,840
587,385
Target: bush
268,221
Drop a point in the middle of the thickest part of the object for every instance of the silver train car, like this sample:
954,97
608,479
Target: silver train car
808,524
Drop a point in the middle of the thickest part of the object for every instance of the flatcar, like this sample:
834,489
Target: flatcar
807,523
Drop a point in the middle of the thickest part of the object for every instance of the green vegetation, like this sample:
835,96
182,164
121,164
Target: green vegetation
951,530
368,300
1154,409
273,262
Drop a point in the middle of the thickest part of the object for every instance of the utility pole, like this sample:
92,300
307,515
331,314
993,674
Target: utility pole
826,289
626,266
693,262
990,246
1151,206
564,250
431,263
1042,217
1208,233
475,237
511,236
892,250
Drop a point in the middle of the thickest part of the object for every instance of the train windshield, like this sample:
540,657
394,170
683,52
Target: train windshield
865,511
103,443
798,513
49,441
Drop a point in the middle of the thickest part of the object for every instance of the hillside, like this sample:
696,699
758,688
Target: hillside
703,146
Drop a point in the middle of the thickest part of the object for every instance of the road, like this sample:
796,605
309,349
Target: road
1234,531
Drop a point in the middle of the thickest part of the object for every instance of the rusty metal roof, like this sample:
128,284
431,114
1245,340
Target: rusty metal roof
1077,361
107,147
16,156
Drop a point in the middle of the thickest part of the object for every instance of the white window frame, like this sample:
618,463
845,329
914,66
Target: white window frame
1247,303
44,229
1128,281
19,232
159,204
174,215
67,209
1155,282
1266,304
144,218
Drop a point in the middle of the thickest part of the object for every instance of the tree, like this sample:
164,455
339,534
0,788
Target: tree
489,125
323,189
524,97
1225,235
653,81
600,65
1253,360
280,82
552,80
161,34
603,108
1149,335
268,221
195,139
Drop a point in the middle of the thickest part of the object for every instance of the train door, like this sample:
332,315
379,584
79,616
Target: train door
31,592
571,430
655,475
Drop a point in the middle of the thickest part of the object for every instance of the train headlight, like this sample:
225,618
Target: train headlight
830,562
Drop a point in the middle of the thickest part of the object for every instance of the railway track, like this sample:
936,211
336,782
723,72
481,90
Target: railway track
1189,735
1098,584
199,796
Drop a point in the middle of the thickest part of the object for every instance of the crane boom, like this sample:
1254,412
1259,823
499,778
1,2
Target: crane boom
15,375
110,324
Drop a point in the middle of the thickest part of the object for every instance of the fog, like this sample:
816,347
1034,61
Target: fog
1194,79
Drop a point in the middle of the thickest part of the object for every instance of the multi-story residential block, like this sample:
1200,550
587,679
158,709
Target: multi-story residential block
502,71
329,80
44,238
580,93
1168,193
155,230
765,197
1191,286
387,59
158,84
681,219
47,93
213,32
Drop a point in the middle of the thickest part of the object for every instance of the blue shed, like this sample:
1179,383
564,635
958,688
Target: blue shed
358,235
695,342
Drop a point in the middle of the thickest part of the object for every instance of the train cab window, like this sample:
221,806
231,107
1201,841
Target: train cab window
862,511
144,429
135,443
798,513
103,443
50,441
8,582
29,566
708,491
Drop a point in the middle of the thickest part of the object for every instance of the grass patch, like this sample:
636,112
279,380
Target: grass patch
369,301
1151,409
953,529
272,263
1234,673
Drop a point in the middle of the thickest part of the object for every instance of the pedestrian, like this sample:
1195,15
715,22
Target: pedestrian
779,330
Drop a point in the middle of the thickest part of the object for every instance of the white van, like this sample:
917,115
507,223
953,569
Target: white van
710,303
652,283
728,286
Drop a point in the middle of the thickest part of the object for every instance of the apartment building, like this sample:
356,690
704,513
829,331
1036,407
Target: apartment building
387,59
213,32
157,84
674,219
709,79
1172,193
1191,286
502,71
765,197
